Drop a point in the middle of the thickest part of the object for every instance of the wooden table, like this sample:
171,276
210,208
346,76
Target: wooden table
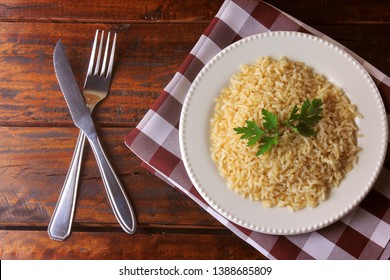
38,136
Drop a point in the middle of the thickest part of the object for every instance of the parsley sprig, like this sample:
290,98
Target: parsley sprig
302,123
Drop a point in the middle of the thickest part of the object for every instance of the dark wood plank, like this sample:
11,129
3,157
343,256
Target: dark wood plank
147,59
309,11
33,166
113,245
336,12
111,11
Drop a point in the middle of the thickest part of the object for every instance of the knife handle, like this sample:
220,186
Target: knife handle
61,220
116,194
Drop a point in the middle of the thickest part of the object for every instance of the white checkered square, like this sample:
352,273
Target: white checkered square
179,179
299,239
252,27
318,246
222,9
171,143
172,84
234,16
208,50
157,128
145,120
179,88
364,222
199,45
381,235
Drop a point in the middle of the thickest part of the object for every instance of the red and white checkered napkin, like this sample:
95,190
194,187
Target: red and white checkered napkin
362,234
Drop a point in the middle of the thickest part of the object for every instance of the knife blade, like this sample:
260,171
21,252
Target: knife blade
77,107
83,120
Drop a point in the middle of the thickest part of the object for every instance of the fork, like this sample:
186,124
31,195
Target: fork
96,86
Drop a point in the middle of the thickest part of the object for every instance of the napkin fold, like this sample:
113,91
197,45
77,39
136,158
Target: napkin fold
362,234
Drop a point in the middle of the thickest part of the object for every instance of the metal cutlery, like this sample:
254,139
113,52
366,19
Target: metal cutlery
95,89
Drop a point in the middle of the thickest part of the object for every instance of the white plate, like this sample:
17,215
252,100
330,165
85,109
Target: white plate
325,58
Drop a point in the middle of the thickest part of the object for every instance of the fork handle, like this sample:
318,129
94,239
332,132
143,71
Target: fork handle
61,220
120,204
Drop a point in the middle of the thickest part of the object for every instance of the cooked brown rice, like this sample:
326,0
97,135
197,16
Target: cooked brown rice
299,171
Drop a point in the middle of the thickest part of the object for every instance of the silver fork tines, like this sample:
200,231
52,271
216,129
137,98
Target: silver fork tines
98,77
94,61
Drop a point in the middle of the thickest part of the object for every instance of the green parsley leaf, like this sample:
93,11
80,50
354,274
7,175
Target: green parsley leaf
309,116
293,114
302,122
270,120
251,131
268,142
311,112
305,130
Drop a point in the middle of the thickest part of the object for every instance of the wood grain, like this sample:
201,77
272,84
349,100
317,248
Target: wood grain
113,246
145,64
108,11
35,161
309,11
38,136
143,67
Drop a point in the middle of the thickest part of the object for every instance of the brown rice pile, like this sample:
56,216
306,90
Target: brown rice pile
299,171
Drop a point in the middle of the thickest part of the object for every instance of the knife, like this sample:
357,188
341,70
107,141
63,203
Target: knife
82,119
